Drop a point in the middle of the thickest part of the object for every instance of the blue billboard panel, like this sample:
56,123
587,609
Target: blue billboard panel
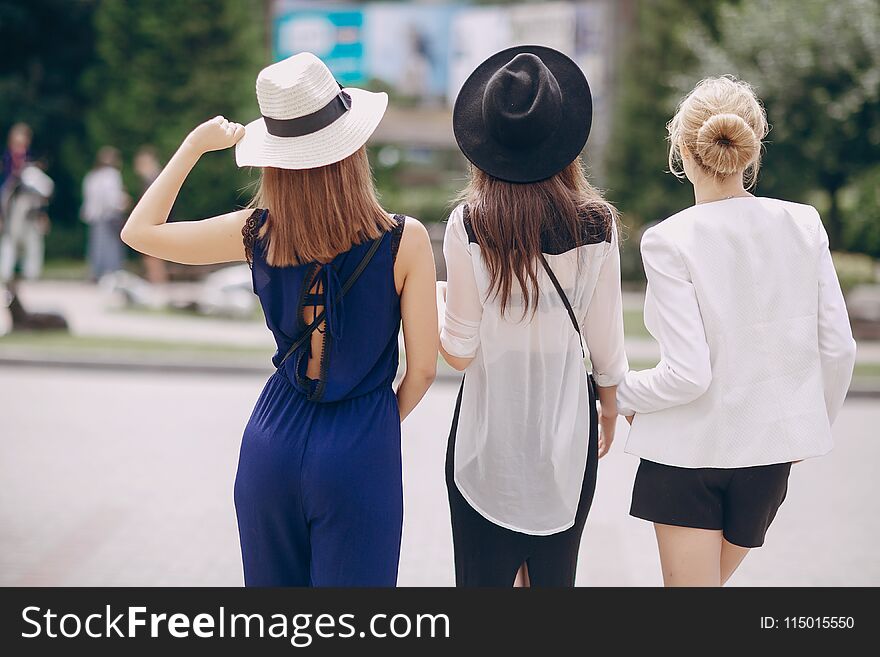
336,36
407,47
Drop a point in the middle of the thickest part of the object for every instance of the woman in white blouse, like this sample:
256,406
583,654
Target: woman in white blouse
532,262
755,342
104,203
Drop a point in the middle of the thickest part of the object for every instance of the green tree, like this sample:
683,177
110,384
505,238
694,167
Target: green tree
861,226
816,65
44,47
163,67
653,52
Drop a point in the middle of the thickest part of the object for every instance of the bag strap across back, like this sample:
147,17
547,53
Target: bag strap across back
571,316
565,301
311,328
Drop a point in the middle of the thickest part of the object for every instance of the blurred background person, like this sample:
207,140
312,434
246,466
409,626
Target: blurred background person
24,197
16,155
104,202
147,167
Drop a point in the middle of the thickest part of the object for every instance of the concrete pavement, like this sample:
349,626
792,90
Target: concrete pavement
114,478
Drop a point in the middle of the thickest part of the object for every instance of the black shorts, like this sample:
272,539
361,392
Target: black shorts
741,502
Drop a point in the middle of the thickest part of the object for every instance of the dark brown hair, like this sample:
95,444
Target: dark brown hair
316,214
509,220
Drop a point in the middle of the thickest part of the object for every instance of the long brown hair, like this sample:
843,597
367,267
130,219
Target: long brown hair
509,220
316,214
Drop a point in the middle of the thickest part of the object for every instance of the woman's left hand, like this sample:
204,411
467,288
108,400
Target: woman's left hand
607,427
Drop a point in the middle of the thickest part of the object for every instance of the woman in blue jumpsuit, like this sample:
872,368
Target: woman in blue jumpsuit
318,492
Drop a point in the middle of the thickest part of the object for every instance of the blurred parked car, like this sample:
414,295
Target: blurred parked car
228,292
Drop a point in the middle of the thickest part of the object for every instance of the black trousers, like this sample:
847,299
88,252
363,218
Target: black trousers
488,555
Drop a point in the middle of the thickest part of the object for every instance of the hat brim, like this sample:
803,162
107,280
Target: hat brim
551,155
336,142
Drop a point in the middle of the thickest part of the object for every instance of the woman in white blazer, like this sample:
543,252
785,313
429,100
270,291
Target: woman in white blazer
756,347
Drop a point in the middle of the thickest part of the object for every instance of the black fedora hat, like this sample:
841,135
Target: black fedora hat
524,114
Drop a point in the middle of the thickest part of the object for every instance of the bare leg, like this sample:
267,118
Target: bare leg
156,270
522,577
689,556
731,557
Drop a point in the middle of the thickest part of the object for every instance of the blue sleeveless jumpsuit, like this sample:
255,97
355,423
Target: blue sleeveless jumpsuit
318,493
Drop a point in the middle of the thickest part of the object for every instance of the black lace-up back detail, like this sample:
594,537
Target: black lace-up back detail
359,331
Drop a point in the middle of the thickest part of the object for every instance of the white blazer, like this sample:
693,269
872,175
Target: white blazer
756,347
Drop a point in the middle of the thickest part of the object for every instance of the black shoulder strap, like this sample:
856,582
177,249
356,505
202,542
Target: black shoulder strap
565,301
311,328
577,329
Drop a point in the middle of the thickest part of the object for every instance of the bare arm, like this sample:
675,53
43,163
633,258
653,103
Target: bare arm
603,333
459,299
607,417
208,241
418,309
455,362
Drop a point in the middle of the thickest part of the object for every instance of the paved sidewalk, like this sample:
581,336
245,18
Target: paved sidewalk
128,481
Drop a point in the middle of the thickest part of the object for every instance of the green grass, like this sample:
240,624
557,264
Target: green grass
65,269
168,311
59,341
634,324
867,371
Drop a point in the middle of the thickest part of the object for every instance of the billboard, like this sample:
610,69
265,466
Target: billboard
334,35
424,52
408,47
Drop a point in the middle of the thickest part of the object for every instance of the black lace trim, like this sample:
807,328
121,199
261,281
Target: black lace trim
250,233
469,226
396,234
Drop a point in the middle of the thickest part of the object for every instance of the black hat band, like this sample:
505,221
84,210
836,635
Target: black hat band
306,125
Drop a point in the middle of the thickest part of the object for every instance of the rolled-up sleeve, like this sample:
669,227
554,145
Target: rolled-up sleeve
837,348
460,331
602,325
684,372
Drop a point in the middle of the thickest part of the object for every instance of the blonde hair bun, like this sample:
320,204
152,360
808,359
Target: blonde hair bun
726,144
721,124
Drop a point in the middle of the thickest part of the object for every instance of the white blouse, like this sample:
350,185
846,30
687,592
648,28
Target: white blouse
755,342
523,431
104,195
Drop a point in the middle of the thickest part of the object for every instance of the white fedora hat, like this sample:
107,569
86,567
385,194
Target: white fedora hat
307,120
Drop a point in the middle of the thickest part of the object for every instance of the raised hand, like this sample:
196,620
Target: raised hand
215,135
